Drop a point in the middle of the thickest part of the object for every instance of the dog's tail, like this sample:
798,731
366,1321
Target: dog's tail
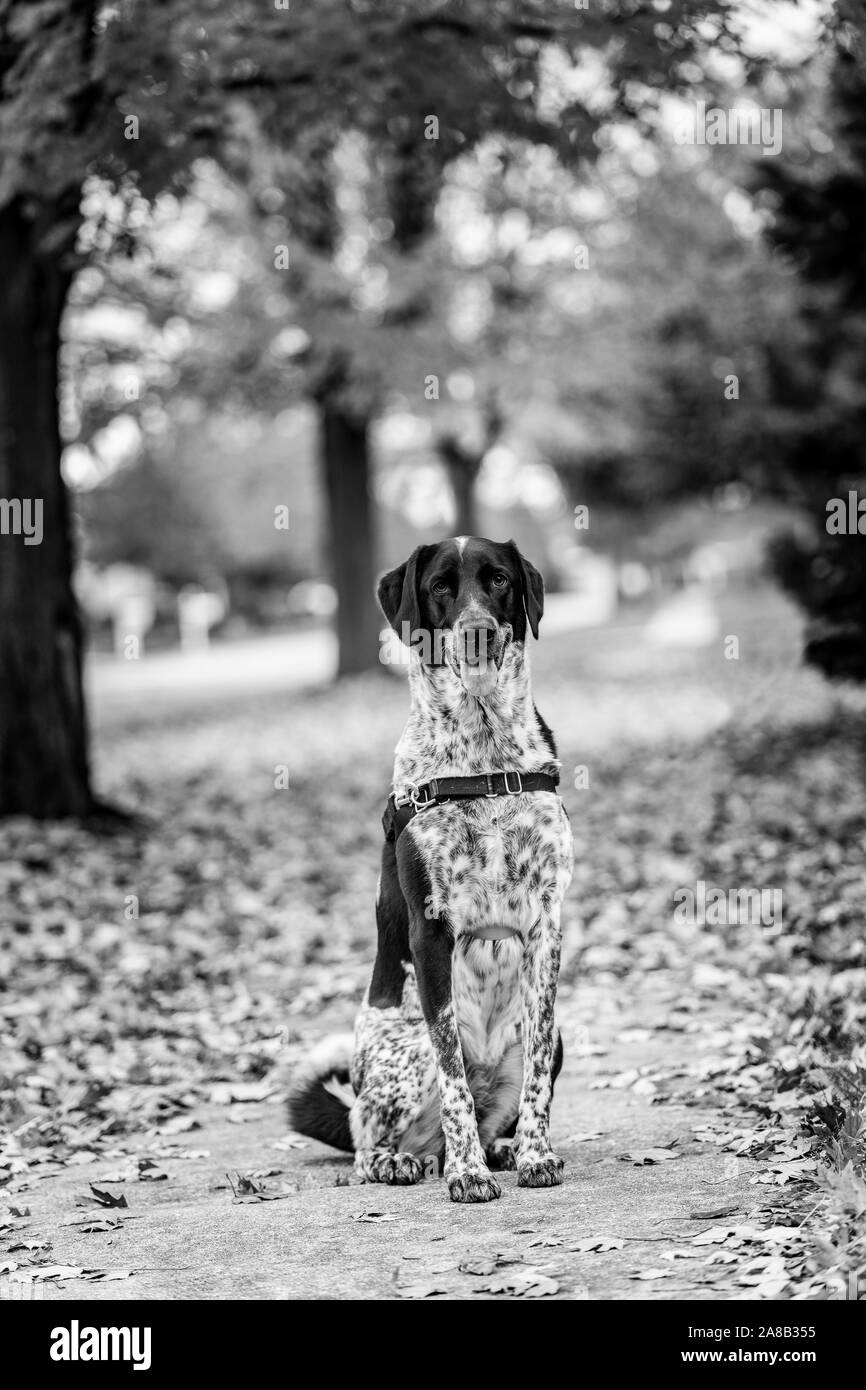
320,1093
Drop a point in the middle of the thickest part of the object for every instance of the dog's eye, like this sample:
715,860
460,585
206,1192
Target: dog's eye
499,581
439,588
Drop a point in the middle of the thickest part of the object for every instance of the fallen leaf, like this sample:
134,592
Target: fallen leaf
481,1267
420,1289
624,1079
255,1197
522,1283
148,1171
246,1185
103,1198
644,1087
647,1157
710,1213
717,1235
598,1244
179,1124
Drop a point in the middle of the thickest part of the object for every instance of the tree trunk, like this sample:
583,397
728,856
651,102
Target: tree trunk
43,736
463,468
346,461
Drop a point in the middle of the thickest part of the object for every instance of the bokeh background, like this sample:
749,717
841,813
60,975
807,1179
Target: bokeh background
326,350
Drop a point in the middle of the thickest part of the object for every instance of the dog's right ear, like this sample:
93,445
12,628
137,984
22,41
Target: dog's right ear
398,594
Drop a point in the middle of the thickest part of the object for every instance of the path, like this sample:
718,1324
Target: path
165,683
185,1238
251,935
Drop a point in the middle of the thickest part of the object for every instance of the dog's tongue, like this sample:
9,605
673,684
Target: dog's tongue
477,647
480,679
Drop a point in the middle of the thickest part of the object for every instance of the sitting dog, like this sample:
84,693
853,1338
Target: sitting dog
455,1049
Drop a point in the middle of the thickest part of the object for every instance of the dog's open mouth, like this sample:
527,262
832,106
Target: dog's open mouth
479,652
494,933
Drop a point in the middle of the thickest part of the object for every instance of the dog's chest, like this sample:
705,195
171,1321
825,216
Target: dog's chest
486,995
498,861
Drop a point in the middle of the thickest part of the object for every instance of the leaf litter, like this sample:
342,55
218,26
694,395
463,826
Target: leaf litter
765,1030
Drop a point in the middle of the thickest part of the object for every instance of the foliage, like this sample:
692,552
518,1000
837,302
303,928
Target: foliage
615,372
72,72
815,195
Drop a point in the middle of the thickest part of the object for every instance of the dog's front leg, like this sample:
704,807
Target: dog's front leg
466,1172
537,1164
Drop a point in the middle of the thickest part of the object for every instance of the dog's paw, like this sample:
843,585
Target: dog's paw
501,1157
541,1172
398,1170
473,1187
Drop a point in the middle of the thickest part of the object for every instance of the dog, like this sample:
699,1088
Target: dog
455,1049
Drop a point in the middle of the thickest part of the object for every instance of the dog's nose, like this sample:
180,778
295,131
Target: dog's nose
476,638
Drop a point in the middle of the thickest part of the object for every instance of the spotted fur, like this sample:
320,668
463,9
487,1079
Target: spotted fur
455,1048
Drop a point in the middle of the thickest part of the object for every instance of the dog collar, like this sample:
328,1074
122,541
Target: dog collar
399,811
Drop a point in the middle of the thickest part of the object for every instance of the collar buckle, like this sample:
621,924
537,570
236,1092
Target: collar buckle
429,795
413,795
516,790
409,798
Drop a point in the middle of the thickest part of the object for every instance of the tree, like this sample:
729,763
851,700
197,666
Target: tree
463,455
63,69
408,326
135,94
815,197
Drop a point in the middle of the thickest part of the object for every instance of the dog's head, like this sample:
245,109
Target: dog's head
461,603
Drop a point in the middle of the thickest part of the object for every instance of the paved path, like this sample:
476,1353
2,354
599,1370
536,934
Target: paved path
170,681
185,1238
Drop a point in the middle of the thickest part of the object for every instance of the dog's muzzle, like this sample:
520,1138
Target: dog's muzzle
479,646
476,641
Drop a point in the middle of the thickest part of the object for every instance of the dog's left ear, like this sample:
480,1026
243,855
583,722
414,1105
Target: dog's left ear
398,594
533,590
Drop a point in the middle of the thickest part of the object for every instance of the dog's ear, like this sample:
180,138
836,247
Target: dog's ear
533,590
398,594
